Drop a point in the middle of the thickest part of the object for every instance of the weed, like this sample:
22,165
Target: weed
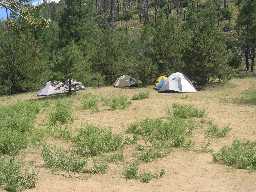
141,95
57,158
15,123
92,141
163,133
19,117
37,135
162,173
214,131
61,113
115,157
130,140
99,168
118,102
131,171
146,177
186,111
248,97
90,102
241,155
151,154
13,178
58,131
140,147
11,142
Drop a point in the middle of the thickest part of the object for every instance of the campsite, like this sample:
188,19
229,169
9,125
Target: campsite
185,168
127,95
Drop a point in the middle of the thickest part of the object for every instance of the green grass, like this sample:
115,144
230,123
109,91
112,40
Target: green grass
129,140
92,141
58,159
248,97
90,102
19,117
131,171
99,168
115,157
241,155
141,95
13,177
11,142
146,177
59,132
186,111
118,102
172,132
216,132
61,113
149,155
16,123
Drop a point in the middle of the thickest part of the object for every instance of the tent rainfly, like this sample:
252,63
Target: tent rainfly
159,82
56,87
126,81
177,82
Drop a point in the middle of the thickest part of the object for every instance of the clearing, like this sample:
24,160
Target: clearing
186,168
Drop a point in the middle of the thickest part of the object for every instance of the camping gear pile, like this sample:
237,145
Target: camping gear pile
57,87
176,82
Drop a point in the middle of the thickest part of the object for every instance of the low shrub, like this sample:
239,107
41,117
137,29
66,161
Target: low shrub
214,131
241,155
186,111
13,178
118,102
61,113
16,122
92,141
19,117
141,95
90,102
58,159
163,133
131,171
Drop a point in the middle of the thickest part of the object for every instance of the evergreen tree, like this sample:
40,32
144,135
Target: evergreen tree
247,28
21,69
206,56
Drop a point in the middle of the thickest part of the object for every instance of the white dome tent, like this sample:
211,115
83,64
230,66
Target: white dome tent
177,82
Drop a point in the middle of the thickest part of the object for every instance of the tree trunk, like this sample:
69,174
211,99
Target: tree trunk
113,12
246,54
144,11
252,59
69,86
225,4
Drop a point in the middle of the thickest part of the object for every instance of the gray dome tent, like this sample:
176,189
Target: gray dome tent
57,87
126,81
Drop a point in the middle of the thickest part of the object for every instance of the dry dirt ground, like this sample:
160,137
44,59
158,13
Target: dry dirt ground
186,170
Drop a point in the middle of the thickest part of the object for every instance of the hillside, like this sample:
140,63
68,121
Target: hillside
186,169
